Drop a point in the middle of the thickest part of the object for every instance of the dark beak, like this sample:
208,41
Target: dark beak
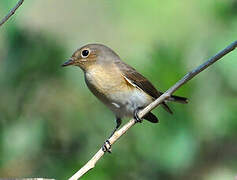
68,62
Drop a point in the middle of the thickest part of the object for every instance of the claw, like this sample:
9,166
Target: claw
105,147
136,117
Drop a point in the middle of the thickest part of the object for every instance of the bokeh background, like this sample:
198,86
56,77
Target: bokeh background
50,124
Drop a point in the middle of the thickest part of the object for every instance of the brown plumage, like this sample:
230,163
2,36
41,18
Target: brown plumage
143,83
119,86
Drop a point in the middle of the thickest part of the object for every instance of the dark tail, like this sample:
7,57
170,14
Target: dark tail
177,99
151,117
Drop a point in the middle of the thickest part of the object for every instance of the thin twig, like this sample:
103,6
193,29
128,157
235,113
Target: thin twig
13,10
91,163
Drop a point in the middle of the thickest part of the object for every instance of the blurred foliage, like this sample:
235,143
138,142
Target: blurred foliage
50,124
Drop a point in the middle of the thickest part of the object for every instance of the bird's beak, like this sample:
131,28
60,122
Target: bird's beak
68,62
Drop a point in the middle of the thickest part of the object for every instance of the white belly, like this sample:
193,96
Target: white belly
123,104
122,99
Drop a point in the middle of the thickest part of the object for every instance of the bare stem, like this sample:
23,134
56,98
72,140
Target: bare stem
91,163
13,10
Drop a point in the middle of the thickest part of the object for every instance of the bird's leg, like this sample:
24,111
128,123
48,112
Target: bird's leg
135,115
118,123
104,147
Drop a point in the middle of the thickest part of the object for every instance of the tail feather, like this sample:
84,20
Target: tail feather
178,99
174,98
151,117
166,107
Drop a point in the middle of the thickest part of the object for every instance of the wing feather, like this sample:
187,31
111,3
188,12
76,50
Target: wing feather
134,78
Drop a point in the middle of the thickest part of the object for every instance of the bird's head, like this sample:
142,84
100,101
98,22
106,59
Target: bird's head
91,54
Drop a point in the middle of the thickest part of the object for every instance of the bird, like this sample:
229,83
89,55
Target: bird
118,85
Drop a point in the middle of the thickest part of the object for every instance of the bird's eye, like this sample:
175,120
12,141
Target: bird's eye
85,53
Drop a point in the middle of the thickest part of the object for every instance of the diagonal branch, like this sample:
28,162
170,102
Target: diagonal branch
91,163
13,10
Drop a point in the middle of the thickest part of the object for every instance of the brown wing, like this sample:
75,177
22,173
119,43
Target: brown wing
139,80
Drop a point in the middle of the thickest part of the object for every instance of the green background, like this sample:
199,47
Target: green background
50,124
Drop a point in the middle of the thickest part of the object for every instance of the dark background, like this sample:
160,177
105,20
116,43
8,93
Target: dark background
50,124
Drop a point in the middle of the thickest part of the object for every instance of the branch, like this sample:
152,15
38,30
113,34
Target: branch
91,163
13,10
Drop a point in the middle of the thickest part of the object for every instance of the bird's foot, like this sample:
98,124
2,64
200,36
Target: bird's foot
136,117
106,146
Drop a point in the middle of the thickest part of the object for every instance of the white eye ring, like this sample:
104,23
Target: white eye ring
85,53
